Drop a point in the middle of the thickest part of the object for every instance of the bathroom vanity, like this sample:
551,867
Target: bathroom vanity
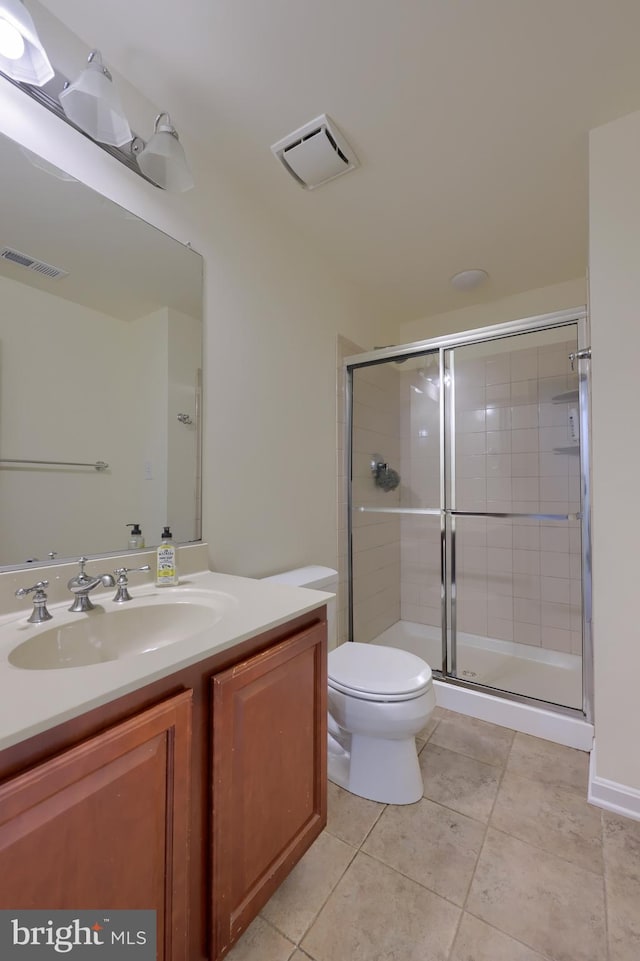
191,790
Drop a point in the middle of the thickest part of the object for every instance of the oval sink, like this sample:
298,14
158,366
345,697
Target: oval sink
107,635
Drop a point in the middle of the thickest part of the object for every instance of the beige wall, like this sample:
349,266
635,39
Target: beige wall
530,303
273,309
614,258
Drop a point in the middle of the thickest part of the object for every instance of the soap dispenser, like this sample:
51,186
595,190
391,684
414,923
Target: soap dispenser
167,568
136,539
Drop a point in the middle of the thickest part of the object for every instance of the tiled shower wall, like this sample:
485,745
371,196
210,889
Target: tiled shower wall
517,580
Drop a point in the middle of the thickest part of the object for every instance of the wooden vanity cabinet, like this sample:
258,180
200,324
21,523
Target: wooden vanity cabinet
269,775
194,795
105,824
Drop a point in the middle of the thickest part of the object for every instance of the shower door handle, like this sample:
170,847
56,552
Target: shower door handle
451,512
534,517
584,354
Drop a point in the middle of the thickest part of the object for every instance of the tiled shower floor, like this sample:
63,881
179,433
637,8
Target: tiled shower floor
501,860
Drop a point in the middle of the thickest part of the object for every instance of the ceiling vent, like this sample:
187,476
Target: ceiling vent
316,153
40,267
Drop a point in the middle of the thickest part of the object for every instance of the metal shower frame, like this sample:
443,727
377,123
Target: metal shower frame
577,317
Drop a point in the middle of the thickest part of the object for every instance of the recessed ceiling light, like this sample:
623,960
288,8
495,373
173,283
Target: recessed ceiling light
468,279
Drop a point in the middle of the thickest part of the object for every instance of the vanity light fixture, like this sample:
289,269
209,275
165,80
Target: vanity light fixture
22,56
92,103
162,159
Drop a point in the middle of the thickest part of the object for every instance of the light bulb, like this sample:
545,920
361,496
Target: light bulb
11,42
22,56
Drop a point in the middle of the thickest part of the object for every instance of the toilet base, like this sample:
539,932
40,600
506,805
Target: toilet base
377,769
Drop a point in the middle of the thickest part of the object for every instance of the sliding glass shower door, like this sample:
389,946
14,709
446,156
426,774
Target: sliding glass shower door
467,502
397,526
512,504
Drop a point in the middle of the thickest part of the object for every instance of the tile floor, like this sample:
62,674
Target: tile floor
501,860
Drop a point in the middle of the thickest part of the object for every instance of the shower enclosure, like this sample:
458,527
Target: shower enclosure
468,514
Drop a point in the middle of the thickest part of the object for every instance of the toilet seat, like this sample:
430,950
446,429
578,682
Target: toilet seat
371,672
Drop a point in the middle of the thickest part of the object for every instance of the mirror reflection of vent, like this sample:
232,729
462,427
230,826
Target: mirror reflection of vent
316,153
40,267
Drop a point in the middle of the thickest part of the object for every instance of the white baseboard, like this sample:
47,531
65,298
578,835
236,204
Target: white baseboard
619,798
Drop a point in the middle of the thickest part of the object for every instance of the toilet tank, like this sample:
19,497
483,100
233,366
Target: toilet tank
320,579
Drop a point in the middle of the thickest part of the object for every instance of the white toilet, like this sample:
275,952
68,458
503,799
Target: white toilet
379,698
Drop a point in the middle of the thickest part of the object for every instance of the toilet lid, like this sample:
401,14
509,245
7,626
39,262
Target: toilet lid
373,670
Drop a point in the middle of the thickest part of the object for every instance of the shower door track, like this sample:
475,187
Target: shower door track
576,317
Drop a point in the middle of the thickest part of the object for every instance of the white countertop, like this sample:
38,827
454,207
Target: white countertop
32,701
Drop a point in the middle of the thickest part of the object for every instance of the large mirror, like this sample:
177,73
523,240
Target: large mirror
100,370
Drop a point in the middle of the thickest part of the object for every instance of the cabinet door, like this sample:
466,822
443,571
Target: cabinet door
105,824
269,775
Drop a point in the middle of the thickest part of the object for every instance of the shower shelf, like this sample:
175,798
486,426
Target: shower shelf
572,449
566,397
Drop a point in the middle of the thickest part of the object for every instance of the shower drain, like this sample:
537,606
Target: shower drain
469,674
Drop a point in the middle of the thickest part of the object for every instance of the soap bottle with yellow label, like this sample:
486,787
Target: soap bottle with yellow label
166,561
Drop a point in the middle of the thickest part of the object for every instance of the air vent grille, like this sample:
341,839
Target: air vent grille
40,267
316,153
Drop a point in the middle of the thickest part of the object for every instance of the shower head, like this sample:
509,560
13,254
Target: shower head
384,477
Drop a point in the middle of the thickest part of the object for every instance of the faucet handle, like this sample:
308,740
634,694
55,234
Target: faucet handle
122,594
39,612
39,587
120,571
82,561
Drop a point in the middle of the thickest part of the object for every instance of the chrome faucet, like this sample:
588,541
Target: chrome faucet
81,585
39,614
122,594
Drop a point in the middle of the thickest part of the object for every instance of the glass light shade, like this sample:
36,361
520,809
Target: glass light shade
11,42
22,56
92,103
163,159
